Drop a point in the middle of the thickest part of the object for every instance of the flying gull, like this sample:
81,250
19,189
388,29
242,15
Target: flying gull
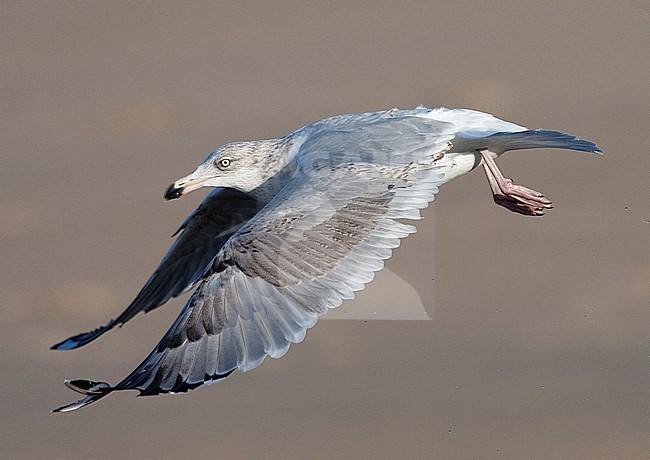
298,224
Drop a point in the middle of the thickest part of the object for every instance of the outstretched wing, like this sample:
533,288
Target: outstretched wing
203,233
316,243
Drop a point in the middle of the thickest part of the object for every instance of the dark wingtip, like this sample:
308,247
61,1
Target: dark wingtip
67,344
87,387
93,391
80,340
79,404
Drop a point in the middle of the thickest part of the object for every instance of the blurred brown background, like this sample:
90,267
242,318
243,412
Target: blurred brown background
540,343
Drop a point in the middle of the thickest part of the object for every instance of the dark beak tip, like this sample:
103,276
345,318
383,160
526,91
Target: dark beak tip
172,192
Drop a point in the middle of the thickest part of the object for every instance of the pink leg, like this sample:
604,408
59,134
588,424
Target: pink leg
514,197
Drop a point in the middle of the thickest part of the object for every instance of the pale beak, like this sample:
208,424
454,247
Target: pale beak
185,185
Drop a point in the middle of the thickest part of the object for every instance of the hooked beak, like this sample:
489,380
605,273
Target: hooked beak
184,185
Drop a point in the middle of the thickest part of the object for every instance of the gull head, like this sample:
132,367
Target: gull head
239,165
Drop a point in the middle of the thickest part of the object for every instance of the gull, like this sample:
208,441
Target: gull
296,225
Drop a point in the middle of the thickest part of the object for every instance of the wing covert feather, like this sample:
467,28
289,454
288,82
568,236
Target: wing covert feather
248,308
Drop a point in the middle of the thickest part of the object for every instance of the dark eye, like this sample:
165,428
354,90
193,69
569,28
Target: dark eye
224,162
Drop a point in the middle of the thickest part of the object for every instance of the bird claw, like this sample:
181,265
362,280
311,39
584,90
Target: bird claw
514,197
529,204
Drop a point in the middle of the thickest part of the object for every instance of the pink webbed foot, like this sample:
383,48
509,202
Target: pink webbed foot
515,197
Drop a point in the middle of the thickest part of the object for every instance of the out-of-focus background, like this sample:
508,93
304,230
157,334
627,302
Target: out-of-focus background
540,341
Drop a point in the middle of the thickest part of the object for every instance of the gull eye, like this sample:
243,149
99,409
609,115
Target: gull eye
224,163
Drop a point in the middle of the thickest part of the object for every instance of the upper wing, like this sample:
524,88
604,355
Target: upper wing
383,138
203,233
319,240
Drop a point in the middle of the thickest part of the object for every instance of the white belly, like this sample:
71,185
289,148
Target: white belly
457,164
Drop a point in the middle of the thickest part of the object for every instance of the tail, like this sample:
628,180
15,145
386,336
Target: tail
538,138
93,391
